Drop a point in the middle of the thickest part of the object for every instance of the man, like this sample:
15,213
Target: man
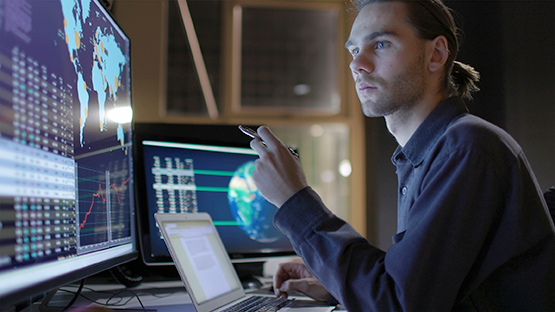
473,229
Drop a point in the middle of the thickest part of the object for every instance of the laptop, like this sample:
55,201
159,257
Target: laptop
205,267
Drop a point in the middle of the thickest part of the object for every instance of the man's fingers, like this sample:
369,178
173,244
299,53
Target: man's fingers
268,136
286,288
280,293
280,276
295,285
307,286
258,146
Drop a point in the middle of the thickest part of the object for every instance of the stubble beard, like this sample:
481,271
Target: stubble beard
404,91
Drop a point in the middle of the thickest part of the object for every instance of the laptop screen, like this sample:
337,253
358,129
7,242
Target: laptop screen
202,258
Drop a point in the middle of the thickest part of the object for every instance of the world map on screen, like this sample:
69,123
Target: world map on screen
97,58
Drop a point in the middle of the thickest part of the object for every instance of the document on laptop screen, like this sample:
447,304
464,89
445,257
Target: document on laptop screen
202,260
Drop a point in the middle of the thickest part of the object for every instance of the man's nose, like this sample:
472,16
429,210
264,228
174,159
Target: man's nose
361,64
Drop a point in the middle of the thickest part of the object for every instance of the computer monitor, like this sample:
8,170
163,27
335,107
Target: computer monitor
66,178
203,168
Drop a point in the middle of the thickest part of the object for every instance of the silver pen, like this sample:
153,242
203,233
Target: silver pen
248,131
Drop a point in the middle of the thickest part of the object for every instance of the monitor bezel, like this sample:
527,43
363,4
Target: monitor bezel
205,134
35,292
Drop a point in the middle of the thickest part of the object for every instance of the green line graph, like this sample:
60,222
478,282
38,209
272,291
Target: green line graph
229,223
212,189
214,172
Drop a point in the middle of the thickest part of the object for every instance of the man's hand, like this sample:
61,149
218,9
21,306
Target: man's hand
295,276
278,174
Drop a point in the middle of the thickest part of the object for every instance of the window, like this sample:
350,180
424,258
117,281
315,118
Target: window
288,60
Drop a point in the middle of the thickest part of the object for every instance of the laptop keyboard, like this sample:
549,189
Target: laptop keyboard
260,304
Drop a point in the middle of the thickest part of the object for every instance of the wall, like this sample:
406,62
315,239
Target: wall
142,22
529,80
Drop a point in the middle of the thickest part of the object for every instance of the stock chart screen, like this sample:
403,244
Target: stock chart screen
65,132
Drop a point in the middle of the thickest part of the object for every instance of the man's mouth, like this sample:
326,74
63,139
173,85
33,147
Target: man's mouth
364,87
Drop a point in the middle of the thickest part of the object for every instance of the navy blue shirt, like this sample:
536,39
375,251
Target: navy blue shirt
473,231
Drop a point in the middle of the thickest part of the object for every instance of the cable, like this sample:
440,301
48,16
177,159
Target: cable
117,296
134,293
124,278
76,296
43,307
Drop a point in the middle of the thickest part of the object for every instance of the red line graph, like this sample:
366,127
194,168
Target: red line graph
103,197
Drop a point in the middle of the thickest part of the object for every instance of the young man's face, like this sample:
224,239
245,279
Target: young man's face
388,64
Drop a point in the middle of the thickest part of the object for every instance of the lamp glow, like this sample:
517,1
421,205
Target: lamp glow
345,168
121,115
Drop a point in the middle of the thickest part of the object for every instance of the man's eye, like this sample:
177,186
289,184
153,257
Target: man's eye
354,52
381,45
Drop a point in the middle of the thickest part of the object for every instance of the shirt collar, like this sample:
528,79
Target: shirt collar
430,130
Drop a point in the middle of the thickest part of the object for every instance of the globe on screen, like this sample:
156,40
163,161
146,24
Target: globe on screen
253,213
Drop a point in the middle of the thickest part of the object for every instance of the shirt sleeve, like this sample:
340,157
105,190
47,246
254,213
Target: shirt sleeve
457,227
325,241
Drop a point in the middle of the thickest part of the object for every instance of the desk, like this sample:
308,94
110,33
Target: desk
161,296
168,296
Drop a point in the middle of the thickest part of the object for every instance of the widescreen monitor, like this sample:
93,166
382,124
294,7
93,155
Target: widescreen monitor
203,168
66,181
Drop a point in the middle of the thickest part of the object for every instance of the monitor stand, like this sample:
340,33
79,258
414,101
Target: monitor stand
45,307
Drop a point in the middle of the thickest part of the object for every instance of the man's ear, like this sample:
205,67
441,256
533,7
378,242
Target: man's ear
440,53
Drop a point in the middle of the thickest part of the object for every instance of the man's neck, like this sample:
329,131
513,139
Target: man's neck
402,124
